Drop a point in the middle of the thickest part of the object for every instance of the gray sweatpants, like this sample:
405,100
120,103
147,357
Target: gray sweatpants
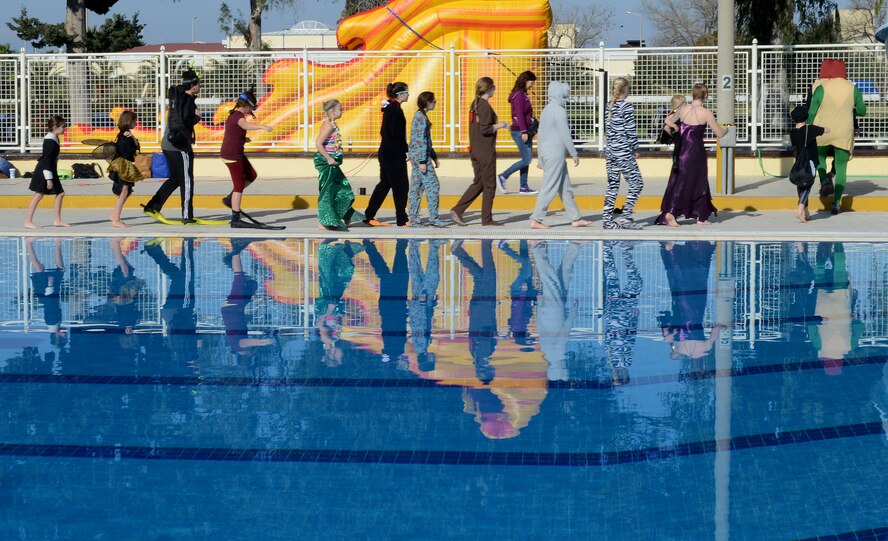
556,181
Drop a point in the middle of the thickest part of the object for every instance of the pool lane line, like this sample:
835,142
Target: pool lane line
866,534
416,383
435,457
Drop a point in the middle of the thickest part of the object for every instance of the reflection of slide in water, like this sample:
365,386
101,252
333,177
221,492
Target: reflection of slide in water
360,82
509,401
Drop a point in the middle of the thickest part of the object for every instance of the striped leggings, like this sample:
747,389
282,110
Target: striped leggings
628,167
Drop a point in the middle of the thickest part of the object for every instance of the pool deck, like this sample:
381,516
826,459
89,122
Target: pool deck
761,209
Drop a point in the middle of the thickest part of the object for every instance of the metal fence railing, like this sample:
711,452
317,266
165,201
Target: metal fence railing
91,90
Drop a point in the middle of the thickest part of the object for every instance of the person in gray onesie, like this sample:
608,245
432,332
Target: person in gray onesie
553,144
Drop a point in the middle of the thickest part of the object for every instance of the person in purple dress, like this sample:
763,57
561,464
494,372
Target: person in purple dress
687,192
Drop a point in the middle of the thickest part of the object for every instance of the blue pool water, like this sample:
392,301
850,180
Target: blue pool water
300,389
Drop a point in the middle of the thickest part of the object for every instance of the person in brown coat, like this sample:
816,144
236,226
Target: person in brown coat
483,125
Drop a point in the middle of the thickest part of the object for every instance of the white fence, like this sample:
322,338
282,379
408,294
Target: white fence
91,90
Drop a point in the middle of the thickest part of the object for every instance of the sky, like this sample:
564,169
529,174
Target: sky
167,21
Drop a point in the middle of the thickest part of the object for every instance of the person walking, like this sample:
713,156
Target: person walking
232,153
45,179
392,157
687,191
834,103
621,154
804,139
483,127
126,146
335,195
177,142
523,129
425,162
555,142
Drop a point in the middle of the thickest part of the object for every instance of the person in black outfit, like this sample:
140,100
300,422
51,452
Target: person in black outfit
482,308
392,299
178,307
45,179
176,145
126,146
392,157
804,138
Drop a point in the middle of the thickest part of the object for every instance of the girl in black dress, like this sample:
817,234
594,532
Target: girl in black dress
46,177
125,146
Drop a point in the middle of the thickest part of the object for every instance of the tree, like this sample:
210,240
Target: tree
684,24
865,17
115,34
251,26
6,48
787,21
353,7
580,27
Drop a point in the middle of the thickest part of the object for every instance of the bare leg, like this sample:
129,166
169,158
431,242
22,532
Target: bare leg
801,213
32,206
118,207
59,261
59,198
236,198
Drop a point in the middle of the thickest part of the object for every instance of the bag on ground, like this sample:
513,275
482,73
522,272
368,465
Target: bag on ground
159,166
87,170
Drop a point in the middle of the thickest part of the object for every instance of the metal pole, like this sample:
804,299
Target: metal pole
725,94
453,99
23,88
192,28
724,316
306,110
602,95
754,102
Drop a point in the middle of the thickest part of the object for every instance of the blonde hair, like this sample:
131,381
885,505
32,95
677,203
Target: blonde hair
677,101
328,106
619,87
700,91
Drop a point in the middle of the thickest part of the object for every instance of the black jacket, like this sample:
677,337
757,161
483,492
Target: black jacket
393,131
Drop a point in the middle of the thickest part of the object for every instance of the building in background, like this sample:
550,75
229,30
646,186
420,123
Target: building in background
304,34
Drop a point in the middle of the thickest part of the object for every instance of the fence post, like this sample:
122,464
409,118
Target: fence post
306,109
602,91
452,99
163,70
753,113
23,99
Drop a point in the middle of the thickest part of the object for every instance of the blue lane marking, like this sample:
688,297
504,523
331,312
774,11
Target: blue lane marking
871,534
405,382
431,457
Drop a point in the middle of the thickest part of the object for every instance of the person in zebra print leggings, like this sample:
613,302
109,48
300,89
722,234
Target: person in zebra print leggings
621,153
620,310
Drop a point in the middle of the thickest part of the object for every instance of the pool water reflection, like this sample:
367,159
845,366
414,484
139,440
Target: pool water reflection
252,388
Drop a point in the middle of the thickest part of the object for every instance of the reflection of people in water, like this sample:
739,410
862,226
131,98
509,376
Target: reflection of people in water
880,402
123,294
555,313
47,287
392,300
523,293
423,300
482,307
178,307
620,311
335,268
834,333
234,310
687,269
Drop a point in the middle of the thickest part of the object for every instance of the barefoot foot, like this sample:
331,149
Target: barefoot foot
671,221
538,225
704,222
580,223
30,225
119,224
60,224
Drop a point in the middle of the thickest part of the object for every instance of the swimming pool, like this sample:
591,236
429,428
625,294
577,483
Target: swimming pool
284,389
